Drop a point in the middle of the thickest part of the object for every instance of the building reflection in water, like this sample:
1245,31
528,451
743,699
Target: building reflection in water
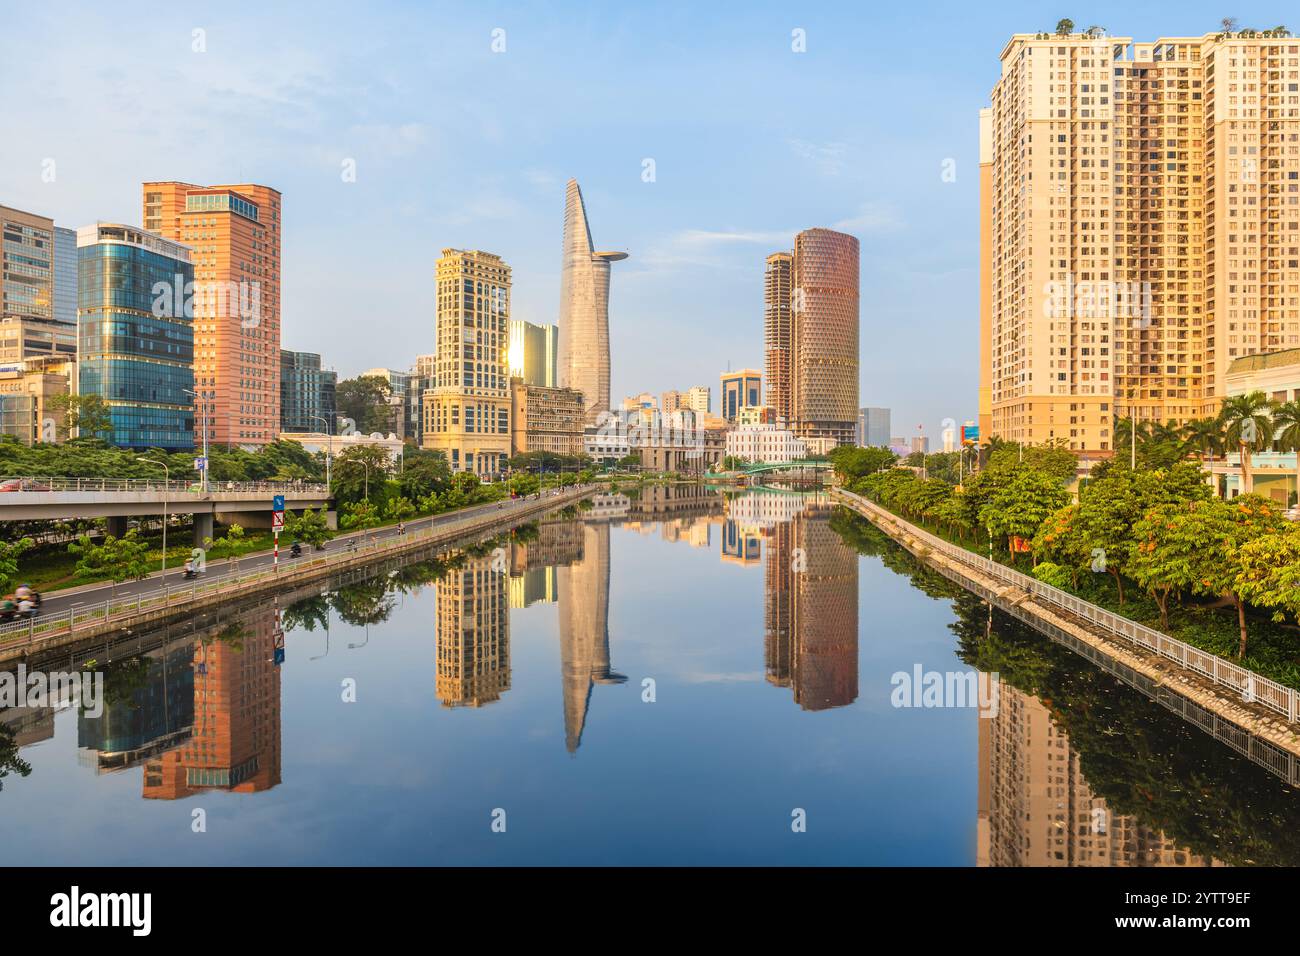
472,633
234,743
1036,808
810,640
583,589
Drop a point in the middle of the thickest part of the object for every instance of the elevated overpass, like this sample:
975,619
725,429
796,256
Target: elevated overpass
247,503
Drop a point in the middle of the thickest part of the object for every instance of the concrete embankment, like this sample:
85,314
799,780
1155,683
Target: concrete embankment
1219,700
161,607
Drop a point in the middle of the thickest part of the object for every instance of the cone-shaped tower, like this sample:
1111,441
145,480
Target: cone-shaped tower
584,309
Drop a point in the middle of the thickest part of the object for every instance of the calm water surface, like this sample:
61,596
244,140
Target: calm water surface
660,680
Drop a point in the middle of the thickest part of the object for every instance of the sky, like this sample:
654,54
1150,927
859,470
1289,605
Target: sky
457,144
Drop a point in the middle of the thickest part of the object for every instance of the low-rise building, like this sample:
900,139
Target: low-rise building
318,442
24,397
545,419
769,444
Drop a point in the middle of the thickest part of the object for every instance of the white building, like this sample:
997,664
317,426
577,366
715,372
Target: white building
765,443
336,445
699,398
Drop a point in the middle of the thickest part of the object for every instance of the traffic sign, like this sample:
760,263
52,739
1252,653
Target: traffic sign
277,520
277,503
200,464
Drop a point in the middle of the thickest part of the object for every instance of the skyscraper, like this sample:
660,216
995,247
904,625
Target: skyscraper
778,329
584,309
741,389
533,352
1140,218
824,351
467,406
136,348
235,235
873,427
307,393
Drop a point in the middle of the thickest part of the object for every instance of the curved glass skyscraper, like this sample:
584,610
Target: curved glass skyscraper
584,309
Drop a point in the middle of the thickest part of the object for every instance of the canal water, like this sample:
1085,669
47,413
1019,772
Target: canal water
675,677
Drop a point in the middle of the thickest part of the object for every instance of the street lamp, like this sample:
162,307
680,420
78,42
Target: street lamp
168,473
204,399
329,455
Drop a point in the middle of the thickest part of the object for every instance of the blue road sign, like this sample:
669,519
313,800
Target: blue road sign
277,503
200,463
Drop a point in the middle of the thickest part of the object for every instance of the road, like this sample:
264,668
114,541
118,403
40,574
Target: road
63,600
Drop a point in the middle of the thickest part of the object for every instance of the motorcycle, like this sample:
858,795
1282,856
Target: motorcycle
296,550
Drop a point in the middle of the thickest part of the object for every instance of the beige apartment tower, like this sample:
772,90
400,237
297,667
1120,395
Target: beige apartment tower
1140,218
778,329
467,408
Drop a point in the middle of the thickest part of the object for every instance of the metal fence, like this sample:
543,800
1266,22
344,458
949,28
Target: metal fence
45,627
38,484
1251,686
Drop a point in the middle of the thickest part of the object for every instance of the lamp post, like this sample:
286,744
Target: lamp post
203,398
168,473
329,455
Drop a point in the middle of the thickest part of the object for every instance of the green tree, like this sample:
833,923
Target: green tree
1248,424
365,400
227,546
118,559
309,527
9,553
1064,27
399,508
85,414
525,484
1020,507
1268,571
360,469
424,474
1205,436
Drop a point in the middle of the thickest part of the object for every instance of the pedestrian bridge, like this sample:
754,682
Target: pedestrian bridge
760,468
247,503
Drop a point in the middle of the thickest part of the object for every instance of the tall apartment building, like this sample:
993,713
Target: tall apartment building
699,399
235,234
1141,221
135,348
467,409
670,401
741,389
307,393
472,634
778,329
534,352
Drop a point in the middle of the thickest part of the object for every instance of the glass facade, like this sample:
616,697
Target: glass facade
306,393
65,276
26,265
136,350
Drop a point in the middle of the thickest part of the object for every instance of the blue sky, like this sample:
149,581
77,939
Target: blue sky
456,145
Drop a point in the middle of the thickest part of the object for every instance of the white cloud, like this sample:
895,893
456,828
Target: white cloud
829,158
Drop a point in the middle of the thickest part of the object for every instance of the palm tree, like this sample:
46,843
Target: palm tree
1286,420
1124,437
1248,422
1206,436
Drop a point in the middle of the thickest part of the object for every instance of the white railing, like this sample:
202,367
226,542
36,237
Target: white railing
28,483
46,627
1252,686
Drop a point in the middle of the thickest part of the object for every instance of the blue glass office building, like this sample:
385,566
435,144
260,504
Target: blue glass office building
135,341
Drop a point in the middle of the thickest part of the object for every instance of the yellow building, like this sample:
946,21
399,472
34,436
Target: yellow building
1139,222
467,409
545,419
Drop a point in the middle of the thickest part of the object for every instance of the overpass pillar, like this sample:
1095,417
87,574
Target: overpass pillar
117,525
202,528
